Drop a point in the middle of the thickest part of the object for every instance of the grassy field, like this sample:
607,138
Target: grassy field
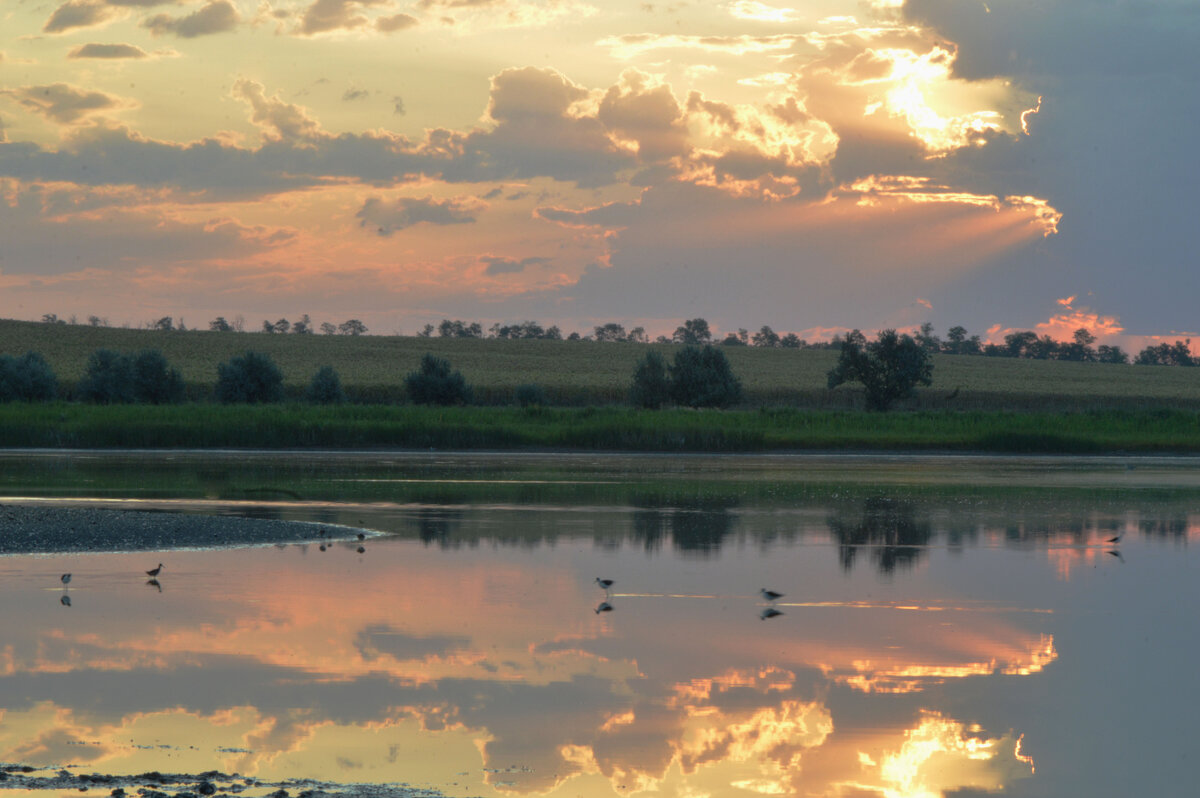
583,373
296,425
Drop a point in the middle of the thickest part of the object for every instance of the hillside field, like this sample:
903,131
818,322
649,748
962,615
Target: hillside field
579,373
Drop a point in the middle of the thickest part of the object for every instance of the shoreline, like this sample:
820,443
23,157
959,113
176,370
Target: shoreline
36,528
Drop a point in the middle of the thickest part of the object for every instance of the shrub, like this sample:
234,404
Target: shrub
702,378
154,381
27,378
252,378
889,367
326,387
435,384
108,379
651,387
530,395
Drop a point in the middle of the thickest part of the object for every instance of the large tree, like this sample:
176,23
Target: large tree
889,367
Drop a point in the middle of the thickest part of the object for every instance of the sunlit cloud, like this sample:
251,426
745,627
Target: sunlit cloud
387,218
113,51
761,12
634,44
66,104
218,16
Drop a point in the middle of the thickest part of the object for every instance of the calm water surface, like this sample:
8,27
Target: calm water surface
950,626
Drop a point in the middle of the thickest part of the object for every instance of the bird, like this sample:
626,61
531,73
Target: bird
1116,539
361,536
360,550
769,612
66,579
604,607
770,595
322,547
604,583
65,601
154,572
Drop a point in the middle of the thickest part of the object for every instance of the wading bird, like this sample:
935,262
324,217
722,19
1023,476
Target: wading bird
154,572
66,579
604,583
770,595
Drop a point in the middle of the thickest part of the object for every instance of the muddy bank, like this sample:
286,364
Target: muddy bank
39,529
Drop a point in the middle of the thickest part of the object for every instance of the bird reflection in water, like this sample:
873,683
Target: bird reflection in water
604,607
154,583
65,600
768,613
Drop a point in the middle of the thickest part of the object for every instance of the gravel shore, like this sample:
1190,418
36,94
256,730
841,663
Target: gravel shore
39,529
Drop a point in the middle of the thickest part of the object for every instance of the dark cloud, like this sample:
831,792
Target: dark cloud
350,95
613,214
646,113
377,640
107,51
408,211
79,14
63,103
395,22
218,16
502,265
327,15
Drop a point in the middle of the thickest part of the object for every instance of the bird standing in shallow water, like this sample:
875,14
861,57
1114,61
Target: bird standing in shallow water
66,579
604,583
154,572
770,595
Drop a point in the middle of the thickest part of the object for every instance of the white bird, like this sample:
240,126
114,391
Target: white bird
770,595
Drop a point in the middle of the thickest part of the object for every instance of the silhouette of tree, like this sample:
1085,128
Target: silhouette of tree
352,327
889,368
693,332
765,337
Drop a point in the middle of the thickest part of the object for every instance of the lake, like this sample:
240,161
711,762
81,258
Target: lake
949,626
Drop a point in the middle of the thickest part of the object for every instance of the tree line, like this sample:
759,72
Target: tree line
1025,344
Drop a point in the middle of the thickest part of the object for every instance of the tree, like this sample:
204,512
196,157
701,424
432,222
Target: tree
154,381
52,318
637,336
765,337
220,325
610,332
889,368
732,339
701,377
926,339
326,387
303,327
1080,349
107,380
352,327
791,341
426,331
553,333
97,321
693,332
250,378
165,324
27,378
434,384
328,329
459,329
1111,354
268,327
283,326
1020,344
651,387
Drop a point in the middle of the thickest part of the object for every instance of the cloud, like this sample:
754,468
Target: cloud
408,211
218,16
479,15
93,50
80,14
760,12
63,103
350,95
501,265
398,106
330,15
395,22
279,120
646,112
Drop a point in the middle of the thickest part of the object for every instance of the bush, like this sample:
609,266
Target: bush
530,396
154,381
108,379
651,387
251,378
889,368
435,384
27,378
326,387
702,378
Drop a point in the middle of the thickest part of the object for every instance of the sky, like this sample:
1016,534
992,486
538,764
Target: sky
814,166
